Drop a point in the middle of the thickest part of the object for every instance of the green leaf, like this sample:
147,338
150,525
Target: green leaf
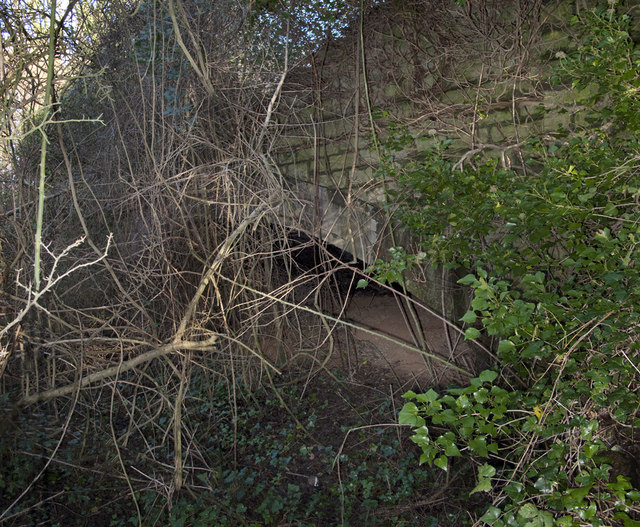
442,462
528,510
487,471
362,283
479,446
471,334
469,317
481,396
479,303
589,512
447,417
463,402
547,519
452,450
468,280
590,449
543,485
587,430
491,516
409,416
488,376
574,498
483,485
466,425
447,442
428,397
514,490
634,495
506,346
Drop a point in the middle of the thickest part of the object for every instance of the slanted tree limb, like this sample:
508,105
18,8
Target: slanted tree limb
118,369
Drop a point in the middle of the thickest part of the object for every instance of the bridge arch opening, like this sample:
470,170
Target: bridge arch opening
386,330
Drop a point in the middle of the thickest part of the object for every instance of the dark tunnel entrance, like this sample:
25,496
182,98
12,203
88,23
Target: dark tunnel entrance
307,256
388,328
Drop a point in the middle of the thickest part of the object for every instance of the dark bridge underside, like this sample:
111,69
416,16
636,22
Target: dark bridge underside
310,256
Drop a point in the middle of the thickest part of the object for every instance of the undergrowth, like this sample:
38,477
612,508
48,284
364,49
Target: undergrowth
251,463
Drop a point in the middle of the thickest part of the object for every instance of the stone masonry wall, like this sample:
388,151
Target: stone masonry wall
477,74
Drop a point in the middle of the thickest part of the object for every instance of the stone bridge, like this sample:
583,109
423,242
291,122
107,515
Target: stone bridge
483,101
480,80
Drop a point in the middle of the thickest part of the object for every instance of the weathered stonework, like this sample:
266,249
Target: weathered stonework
479,79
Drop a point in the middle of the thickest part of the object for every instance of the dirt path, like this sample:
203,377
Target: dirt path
384,315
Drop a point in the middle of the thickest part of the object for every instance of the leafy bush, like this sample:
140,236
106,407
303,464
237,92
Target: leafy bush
555,284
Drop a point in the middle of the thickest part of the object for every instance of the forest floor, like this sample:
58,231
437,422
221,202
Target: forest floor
321,452
387,316
311,450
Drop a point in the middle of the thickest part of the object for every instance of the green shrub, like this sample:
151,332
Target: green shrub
555,284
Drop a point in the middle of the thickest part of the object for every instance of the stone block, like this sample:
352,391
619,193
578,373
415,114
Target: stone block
297,171
554,39
494,117
458,96
392,91
486,133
